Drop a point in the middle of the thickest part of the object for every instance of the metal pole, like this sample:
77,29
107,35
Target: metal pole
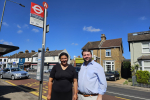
2,15
42,56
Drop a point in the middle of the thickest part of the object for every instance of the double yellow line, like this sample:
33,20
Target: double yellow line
32,92
122,98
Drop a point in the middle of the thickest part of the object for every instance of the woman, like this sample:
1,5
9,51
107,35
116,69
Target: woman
60,81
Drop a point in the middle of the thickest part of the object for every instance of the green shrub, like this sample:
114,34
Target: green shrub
134,69
142,76
126,82
126,64
129,79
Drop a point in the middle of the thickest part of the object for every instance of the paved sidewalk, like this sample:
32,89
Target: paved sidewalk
119,83
9,92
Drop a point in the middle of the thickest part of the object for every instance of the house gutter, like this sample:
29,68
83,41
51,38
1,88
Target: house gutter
100,56
133,52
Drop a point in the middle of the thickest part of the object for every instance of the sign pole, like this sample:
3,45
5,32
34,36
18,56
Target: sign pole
42,56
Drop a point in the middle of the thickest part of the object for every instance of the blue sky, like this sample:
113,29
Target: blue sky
73,23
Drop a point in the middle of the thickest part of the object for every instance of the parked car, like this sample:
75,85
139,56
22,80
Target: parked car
31,70
77,70
13,73
112,75
47,71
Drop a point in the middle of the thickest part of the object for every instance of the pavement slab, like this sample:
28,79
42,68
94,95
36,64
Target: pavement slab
10,92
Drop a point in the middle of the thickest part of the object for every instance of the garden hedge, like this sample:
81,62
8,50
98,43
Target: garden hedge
142,76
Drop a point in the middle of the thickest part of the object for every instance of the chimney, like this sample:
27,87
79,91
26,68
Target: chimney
32,51
78,56
103,37
26,51
20,52
47,49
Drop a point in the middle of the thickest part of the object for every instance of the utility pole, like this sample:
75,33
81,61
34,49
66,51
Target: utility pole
4,10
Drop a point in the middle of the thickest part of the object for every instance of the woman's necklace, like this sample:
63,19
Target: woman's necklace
64,67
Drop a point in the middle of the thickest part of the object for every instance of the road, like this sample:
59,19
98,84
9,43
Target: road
128,93
45,76
114,92
120,92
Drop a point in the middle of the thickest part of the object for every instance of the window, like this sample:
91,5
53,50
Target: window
0,60
147,63
53,57
146,47
147,69
109,66
28,59
108,52
4,60
36,59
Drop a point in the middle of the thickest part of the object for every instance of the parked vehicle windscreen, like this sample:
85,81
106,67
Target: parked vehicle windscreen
110,72
15,69
77,69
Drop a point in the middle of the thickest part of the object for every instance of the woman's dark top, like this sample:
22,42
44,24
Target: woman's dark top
62,79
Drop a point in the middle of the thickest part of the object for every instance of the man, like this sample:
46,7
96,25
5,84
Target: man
91,80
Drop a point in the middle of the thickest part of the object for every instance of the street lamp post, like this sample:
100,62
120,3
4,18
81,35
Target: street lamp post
4,10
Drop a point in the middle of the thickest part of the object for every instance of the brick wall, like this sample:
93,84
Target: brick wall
116,55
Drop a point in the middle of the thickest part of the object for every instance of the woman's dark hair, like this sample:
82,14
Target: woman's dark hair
86,50
62,54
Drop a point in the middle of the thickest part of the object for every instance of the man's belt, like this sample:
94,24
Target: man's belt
87,95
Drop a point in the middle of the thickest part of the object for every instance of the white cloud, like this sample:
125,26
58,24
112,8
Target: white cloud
74,44
35,30
5,42
91,29
19,31
143,18
26,26
1,40
8,43
5,24
28,40
18,26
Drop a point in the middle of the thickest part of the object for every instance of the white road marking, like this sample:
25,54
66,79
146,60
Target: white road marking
128,95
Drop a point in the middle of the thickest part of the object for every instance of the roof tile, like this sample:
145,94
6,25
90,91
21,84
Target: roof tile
141,36
112,43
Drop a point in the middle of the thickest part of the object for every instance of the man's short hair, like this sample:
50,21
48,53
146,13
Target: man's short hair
86,50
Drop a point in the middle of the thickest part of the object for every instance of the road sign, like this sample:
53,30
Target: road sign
38,74
37,10
47,28
45,5
36,15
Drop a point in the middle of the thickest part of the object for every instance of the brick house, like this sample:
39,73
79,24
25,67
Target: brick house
108,53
